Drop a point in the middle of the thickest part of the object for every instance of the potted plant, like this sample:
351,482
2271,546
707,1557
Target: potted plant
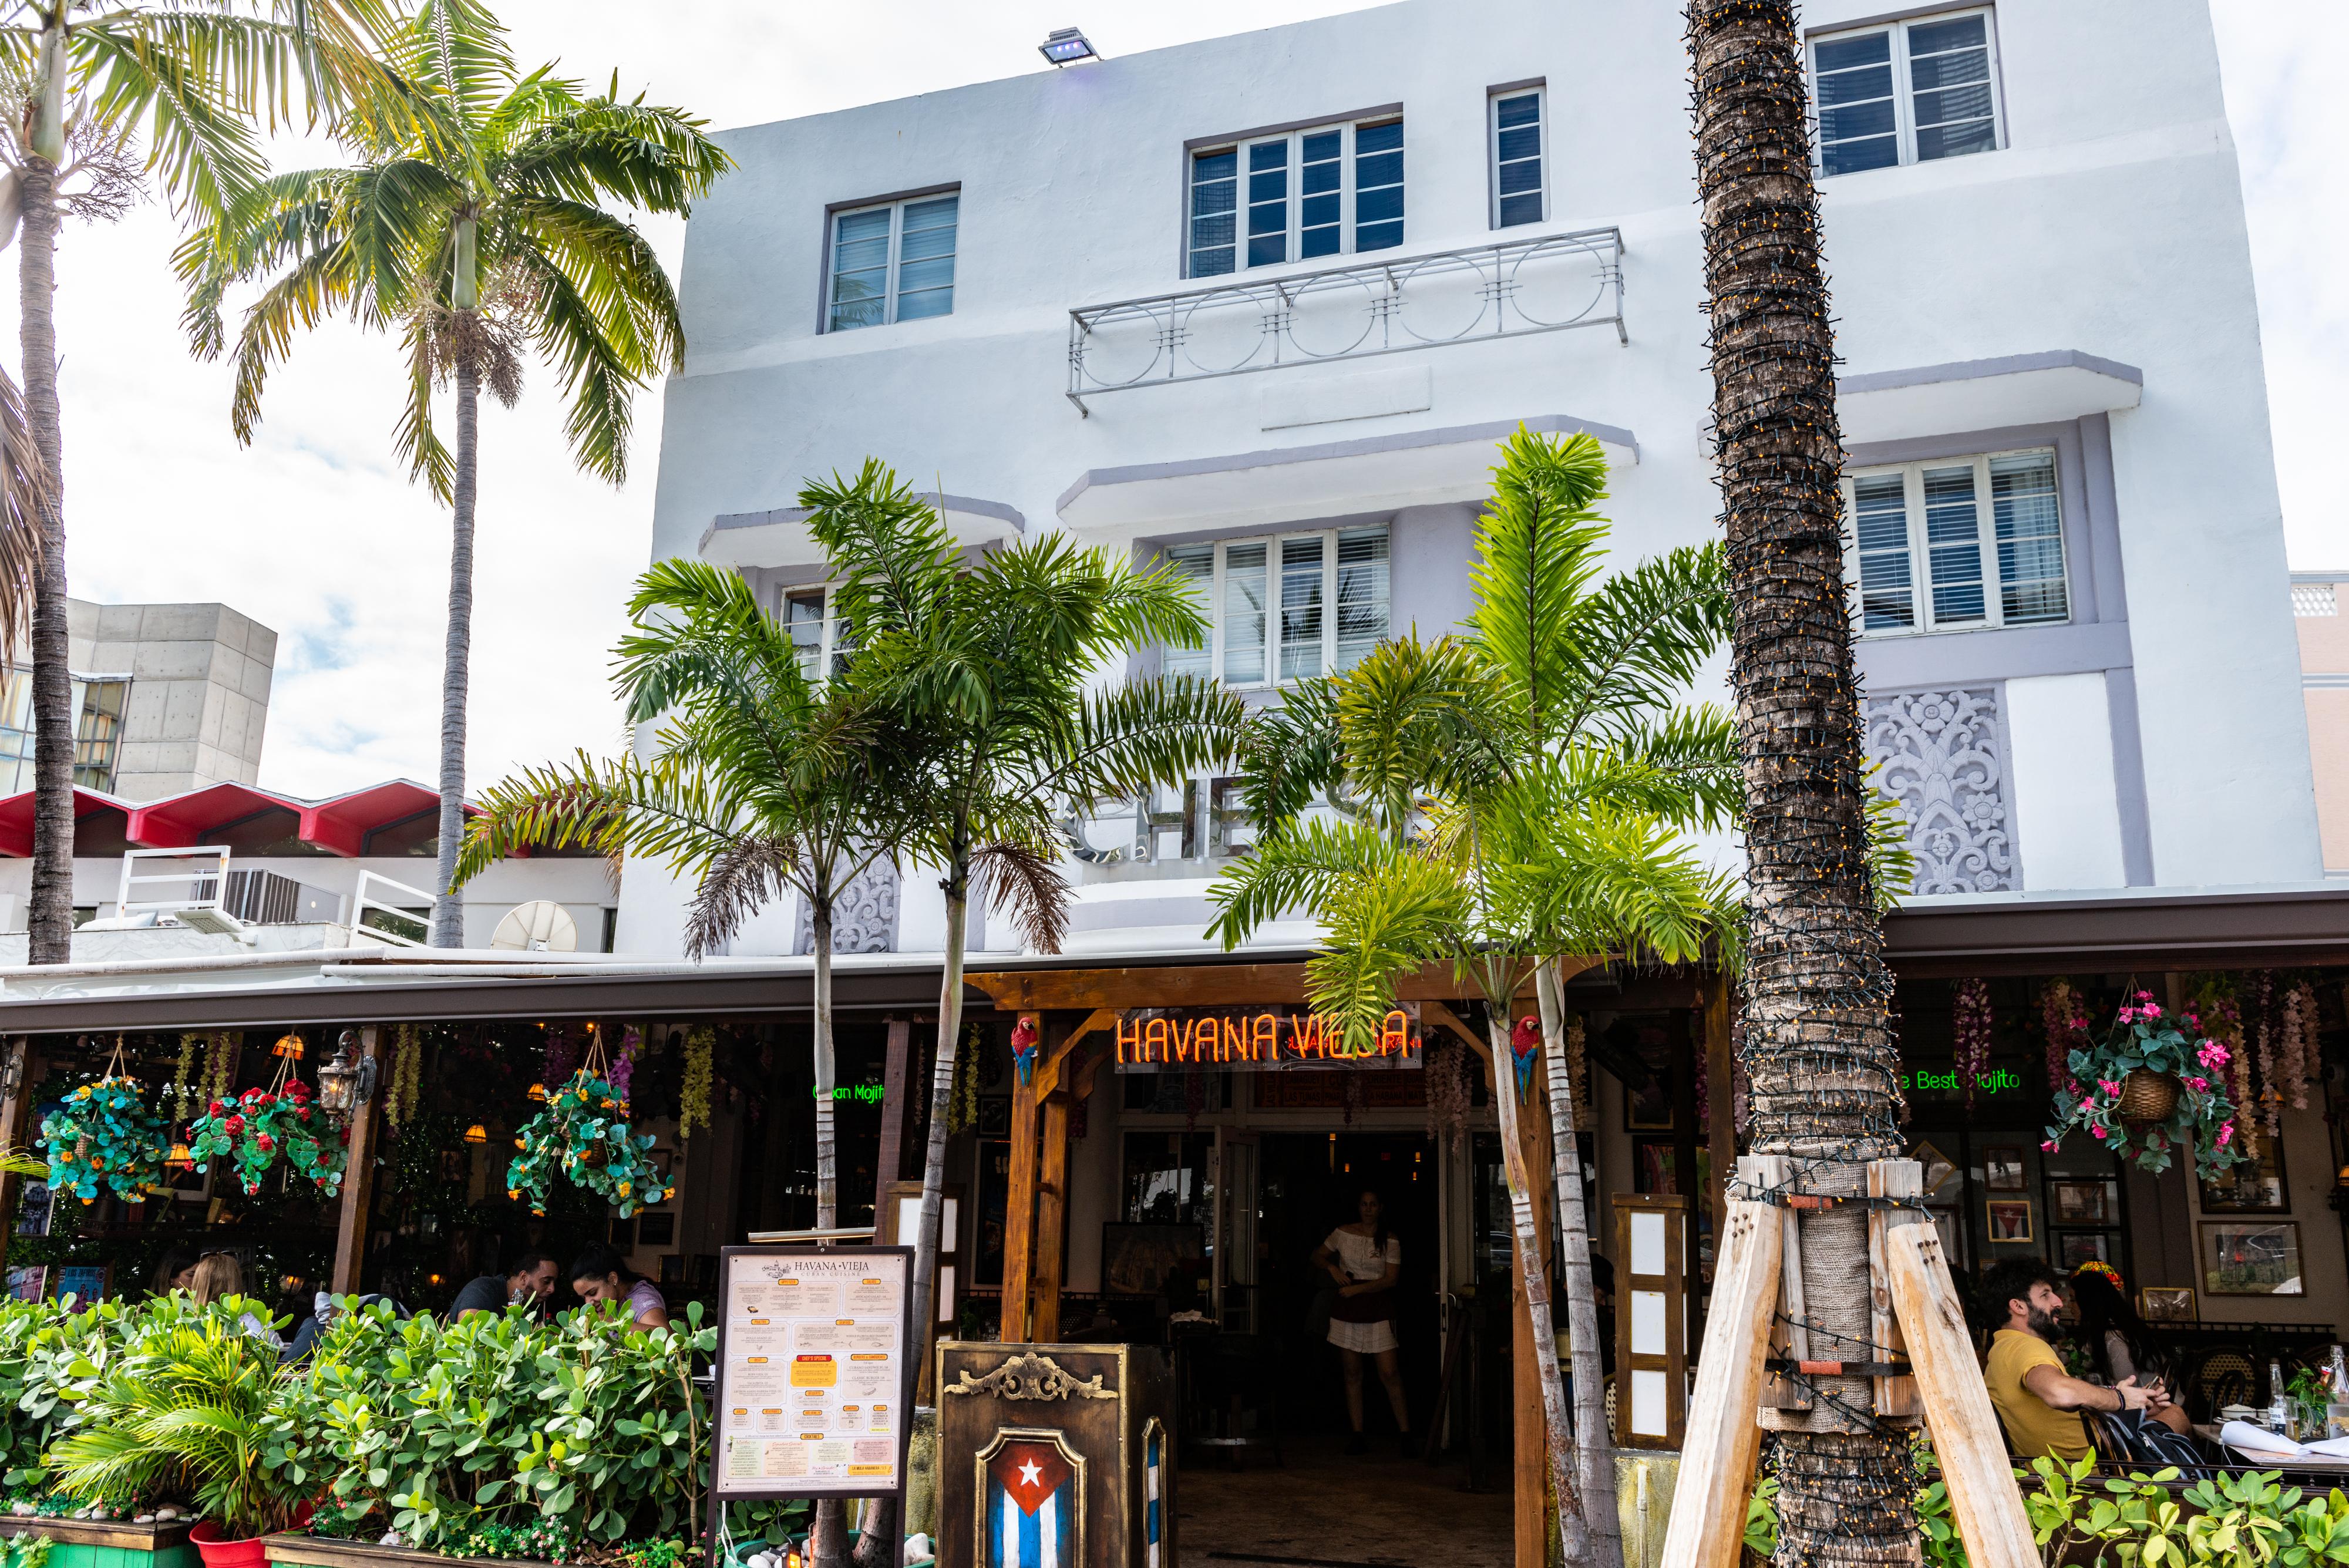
105,1134
184,1411
262,1127
2153,1083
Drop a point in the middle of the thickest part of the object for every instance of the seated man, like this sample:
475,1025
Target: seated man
2038,1402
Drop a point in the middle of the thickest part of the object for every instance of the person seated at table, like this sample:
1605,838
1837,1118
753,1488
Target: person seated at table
601,1275
2038,1402
2121,1344
530,1284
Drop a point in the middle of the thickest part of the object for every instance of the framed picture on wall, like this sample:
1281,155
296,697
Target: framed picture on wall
2166,1304
2002,1168
2077,1203
2251,1258
995,1115
1148,1260
2009,1221
2255,1186
1938,1172
656,1230
2074,1248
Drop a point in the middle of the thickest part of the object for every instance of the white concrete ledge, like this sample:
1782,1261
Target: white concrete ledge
781,538
1983,394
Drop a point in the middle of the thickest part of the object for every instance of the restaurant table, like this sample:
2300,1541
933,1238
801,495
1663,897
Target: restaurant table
2208,1432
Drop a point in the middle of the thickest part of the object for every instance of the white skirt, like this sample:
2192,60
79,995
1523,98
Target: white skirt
1369,1338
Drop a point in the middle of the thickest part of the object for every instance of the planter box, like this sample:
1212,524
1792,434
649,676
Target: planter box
109,1543
318,1552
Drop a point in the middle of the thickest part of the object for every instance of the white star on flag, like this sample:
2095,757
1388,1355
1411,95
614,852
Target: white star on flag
1029,1471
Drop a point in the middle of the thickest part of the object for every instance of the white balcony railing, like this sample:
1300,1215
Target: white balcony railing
1378,304
406,923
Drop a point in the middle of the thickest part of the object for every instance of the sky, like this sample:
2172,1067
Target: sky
315,531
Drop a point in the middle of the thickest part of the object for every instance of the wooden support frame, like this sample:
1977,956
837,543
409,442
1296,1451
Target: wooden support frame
358,1178
1035,1214
1708,1517
1890,1179
15,1122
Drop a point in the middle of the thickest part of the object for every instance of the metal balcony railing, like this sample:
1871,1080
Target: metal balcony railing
1380,305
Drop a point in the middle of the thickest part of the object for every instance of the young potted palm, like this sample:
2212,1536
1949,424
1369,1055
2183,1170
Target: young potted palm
182,1413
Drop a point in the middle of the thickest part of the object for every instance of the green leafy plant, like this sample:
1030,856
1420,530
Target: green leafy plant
2145,1039
264,1128
104,1134
182,1411
583,1136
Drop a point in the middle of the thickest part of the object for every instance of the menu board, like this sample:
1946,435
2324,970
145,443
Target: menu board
814,1389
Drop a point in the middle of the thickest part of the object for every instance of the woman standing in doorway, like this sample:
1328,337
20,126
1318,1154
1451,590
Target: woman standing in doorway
1365,1262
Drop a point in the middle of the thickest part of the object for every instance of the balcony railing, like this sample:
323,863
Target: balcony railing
1388,305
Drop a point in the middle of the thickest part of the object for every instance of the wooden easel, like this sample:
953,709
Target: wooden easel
1914,1310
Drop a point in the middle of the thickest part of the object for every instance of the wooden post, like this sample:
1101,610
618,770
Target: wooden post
15,1125
1720,1108
1790,1338
1966,1436
1723,1441
1019,1202
1889,1178
1051,1222
358,1182
896,1111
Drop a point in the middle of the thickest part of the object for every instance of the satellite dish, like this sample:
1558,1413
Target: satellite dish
541,926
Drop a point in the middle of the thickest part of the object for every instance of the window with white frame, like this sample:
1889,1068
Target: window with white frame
1517,127
1906,93
1270,601
892,262
817,637
1325,192
1957,544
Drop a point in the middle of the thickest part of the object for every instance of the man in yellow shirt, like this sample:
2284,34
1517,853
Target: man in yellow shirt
2038,1402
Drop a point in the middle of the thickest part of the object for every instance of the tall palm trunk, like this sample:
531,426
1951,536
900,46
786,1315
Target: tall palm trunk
1574,1536
934,1154
448,906
50,927
827,1150
1819,1049
1594,1446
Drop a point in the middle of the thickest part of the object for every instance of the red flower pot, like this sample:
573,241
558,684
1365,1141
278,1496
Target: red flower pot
218,1553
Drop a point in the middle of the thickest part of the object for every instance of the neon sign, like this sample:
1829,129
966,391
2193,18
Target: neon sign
1259,1041
1995,1081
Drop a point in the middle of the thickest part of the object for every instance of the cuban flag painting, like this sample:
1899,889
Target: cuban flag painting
1031,1506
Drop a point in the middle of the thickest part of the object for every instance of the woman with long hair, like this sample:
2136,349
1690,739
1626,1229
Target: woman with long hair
2120,1344
601,1275
218,1277
1365,1262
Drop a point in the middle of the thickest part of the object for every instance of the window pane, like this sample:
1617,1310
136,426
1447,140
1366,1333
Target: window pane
98,734
1215,200
2030,539
1194,566
804,620
1319,164
860,269
1857,129
1268,222
1845,54
1851,157
1244,614
1378,186
1880,527
1948,67
1516,151
1954,542
1363,593
1300,607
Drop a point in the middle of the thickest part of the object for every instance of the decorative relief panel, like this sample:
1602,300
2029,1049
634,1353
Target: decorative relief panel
1944,760
864,918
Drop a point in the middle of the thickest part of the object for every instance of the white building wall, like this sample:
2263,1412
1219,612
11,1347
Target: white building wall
2108,233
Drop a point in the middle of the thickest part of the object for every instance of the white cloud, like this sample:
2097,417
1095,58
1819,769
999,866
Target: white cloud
315,531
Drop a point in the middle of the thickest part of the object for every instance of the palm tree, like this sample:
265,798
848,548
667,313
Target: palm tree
763,783
985,669
1506,799
1816,990
473,227
101,95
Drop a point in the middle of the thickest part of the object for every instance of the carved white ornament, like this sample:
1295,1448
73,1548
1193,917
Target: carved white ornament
1944,757
864,916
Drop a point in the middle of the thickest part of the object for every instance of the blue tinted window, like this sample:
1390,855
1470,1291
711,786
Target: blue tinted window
1517,159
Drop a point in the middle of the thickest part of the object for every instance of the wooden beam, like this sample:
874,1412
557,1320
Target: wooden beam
1966,1437
1436,1013
1723,1442
1051,1063
1890,1179
1790,1333
1721,1113
897,1110
1051,1223
1020,1202
16,1122
358,1177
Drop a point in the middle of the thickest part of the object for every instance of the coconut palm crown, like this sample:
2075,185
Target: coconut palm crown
477,229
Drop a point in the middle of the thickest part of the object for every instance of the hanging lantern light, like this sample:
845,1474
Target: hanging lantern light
288,1046
477,1133
182,1156
538,1092
347,1081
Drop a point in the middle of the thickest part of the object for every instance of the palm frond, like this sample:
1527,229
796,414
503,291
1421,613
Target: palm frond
744,877
1539,545
1644,635
1400,915
1027,885
1300,866
666,809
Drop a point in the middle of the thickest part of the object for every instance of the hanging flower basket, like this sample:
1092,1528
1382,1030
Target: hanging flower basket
262,1129
583,1136
2154,1084
105,1134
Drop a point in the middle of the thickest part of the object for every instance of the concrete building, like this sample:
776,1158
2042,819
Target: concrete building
170,697
2319,608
